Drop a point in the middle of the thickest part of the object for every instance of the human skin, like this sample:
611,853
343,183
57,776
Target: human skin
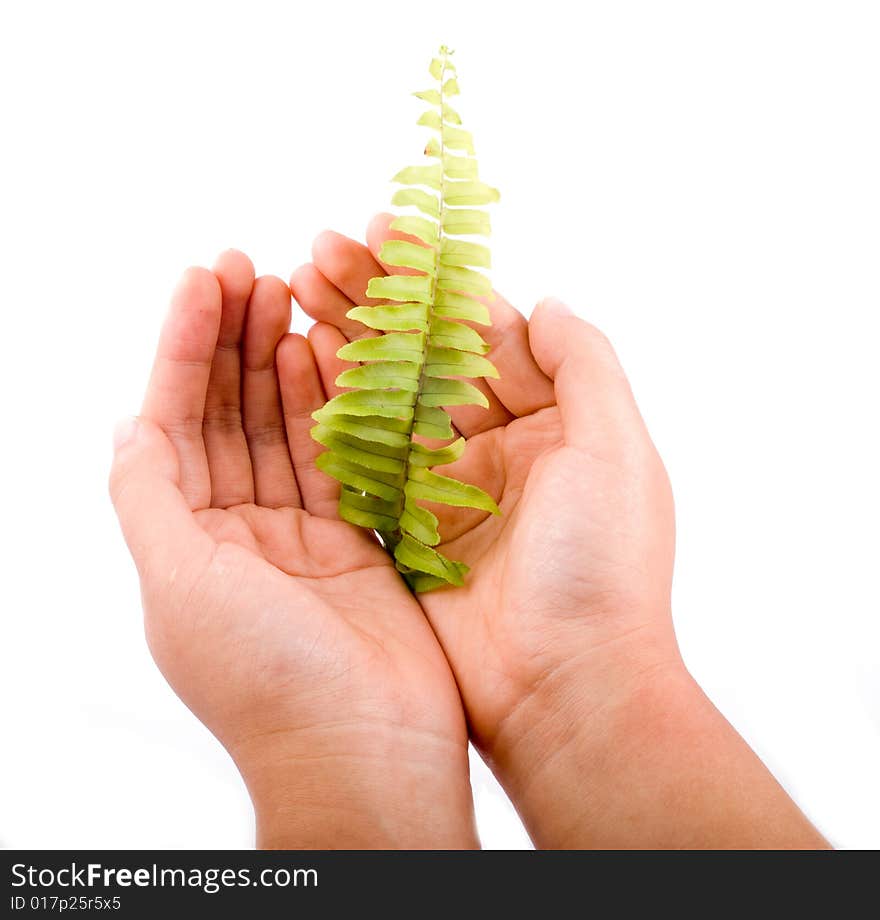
285,630
561,640
291,636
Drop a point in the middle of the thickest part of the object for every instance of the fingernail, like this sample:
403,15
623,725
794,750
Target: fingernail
124,432
557,306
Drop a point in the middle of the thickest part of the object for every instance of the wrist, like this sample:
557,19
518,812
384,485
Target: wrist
561,759
548,751
359,786
627,752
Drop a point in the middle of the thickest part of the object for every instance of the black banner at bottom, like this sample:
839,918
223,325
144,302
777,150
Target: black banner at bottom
118,883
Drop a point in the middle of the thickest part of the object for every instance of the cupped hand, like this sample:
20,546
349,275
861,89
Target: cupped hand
285,630
574,576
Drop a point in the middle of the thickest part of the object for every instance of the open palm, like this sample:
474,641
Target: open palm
586,530
271,618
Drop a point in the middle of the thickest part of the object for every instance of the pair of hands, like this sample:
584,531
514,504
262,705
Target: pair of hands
347,702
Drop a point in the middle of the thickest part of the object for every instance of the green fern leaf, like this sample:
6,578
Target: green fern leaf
426,230
401,317
408,376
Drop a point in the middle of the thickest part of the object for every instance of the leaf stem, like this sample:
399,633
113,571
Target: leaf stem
392,539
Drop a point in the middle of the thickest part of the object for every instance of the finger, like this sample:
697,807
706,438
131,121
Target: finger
156,518
591,388
523,388
268,319
347,264
326,340
232,480
301,394
325,303
175,397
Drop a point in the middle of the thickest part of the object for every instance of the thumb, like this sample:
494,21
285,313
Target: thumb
591,389
156,519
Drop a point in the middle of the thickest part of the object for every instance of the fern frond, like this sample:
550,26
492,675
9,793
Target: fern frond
410,374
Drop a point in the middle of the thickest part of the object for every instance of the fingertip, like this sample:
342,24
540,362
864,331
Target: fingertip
557,333
326,340
235,268
379,227
327,244
237,255
235,263
235,272
344,268
325,336
555,305
299,376
271,287
198,283
268,319
302,392
296,361
302,280
379,230
272,292
291,349
193,319
550,310
548,346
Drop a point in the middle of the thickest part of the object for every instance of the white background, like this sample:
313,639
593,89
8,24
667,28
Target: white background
702,180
